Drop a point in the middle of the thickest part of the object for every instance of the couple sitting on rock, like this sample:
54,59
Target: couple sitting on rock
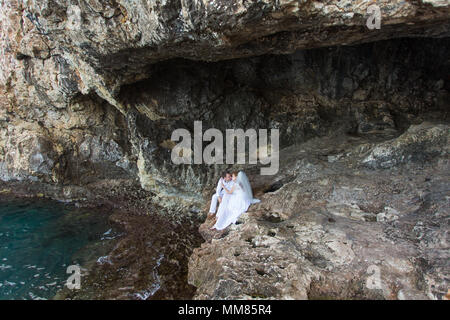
235,195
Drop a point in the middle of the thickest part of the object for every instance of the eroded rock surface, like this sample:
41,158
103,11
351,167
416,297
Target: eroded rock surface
307,94
108,43
338,224
90,75
90,92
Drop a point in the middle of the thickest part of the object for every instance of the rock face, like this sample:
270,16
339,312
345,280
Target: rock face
91,91
307,94
339,229
91,77
104,44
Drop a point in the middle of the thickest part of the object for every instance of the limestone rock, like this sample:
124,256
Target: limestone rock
91,91
117,77
112,42
419,143
344,233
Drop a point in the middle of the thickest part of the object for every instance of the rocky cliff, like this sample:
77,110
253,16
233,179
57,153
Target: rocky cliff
350,219
90,92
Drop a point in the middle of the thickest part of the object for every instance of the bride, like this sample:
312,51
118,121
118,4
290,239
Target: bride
235,202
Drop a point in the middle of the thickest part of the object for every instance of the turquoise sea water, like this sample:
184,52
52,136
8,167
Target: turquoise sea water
40,239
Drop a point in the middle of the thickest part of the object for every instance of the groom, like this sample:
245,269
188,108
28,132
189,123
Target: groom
220,192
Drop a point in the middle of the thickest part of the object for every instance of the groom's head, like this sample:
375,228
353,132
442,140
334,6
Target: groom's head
226,176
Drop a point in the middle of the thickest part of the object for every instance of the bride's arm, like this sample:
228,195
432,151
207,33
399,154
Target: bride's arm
223,186
231,190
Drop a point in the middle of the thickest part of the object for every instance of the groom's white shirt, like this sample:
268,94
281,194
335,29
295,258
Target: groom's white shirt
228,184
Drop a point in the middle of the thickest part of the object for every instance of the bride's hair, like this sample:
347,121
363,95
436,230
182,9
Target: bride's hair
235,173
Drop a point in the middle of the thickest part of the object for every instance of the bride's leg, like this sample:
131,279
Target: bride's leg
224,213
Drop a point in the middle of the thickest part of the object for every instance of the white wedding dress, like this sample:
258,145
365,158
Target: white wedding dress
236,203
